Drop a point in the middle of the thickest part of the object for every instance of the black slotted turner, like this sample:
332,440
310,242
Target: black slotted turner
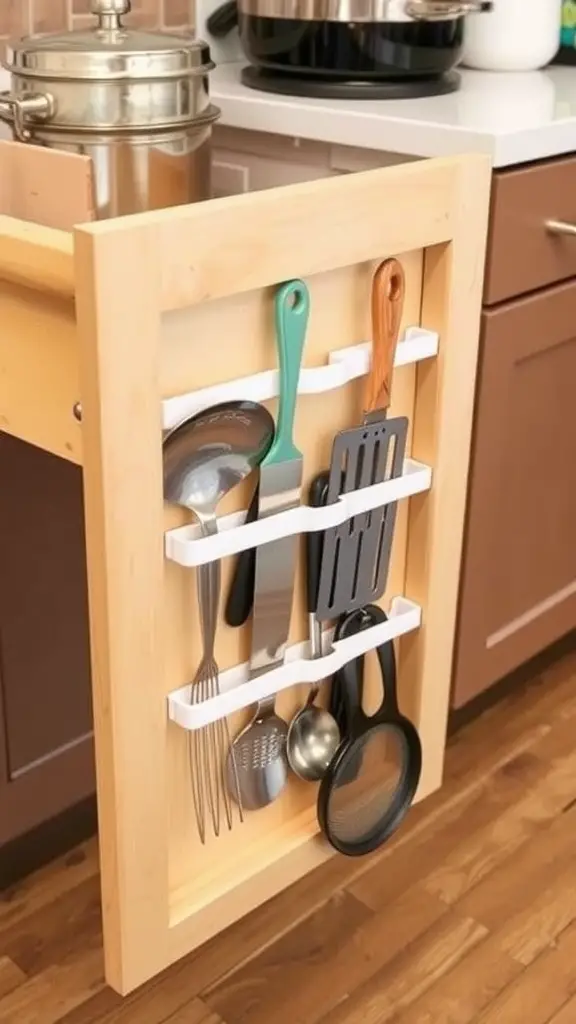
356,555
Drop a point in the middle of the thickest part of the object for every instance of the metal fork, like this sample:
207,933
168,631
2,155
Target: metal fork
209,750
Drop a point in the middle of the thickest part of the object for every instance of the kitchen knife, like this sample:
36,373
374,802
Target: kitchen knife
279,489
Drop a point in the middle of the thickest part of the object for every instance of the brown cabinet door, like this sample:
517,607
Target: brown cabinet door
518,590
45,701
523,254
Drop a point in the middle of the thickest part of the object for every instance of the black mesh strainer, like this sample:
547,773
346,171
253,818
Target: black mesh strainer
371,781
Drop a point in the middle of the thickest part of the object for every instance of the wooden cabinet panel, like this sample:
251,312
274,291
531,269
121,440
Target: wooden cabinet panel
207,273
518,589
44,648
522,254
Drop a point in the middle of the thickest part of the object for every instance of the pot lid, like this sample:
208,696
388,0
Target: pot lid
109,51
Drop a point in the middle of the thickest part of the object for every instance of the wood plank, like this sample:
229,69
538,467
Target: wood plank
36,257
462,993
46,186
32,895
486,847
47,998
11,976
541,990
39,381
37,941
243,242
543,919
503,891
125,578
194,1013
283,982
169,998
567,1013
410,974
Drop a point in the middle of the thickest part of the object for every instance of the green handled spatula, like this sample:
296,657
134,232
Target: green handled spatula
259,752
280,486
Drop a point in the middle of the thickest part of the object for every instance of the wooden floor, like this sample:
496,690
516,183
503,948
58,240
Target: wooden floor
469,915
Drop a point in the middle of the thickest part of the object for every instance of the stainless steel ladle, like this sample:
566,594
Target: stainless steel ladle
204,458
313,736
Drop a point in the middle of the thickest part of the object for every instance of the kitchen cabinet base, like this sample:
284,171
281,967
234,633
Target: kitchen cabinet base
52,839
518,590
512,685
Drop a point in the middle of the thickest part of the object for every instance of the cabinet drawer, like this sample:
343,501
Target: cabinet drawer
523,254
519,568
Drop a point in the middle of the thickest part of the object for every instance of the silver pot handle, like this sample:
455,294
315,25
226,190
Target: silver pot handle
16,109
445,10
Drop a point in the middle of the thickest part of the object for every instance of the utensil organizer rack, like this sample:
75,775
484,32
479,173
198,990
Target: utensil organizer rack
129,317
187,547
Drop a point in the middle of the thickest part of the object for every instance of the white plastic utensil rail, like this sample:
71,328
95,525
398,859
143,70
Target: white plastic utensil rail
186,546
344,365
238,691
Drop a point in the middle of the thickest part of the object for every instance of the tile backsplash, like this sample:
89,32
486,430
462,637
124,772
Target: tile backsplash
20,17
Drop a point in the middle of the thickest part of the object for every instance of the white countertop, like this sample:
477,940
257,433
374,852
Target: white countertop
515,117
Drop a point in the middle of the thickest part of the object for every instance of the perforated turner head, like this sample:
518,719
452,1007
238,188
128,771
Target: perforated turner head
356,554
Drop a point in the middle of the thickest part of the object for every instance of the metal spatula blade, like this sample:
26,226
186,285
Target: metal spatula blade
357,554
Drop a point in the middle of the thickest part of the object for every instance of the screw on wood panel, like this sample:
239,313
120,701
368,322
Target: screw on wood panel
77,410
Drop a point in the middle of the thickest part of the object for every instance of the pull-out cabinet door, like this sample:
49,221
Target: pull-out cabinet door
180,300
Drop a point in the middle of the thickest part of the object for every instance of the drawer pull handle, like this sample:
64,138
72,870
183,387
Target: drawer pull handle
560,227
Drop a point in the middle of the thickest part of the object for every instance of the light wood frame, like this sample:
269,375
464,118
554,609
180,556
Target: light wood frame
211,263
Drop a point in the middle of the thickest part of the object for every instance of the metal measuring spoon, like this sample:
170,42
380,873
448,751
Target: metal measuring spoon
313,736
204,458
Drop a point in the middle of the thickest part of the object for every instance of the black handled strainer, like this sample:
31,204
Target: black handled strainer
370,784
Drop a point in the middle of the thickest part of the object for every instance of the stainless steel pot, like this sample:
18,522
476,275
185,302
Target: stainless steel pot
136,102
358,11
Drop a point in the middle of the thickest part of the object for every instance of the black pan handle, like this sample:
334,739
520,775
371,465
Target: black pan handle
315,542
388,710
241,593
350,624
348,680
347,684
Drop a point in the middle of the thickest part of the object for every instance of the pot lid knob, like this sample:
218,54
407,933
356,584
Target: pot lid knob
109,12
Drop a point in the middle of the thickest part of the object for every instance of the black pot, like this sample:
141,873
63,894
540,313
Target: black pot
338,50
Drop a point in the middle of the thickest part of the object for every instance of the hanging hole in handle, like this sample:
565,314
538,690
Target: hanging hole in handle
296,300
395,287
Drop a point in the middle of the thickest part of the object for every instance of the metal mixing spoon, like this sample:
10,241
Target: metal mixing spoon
204,458
313,736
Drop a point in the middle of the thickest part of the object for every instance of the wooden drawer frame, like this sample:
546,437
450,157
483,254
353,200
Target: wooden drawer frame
100,310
